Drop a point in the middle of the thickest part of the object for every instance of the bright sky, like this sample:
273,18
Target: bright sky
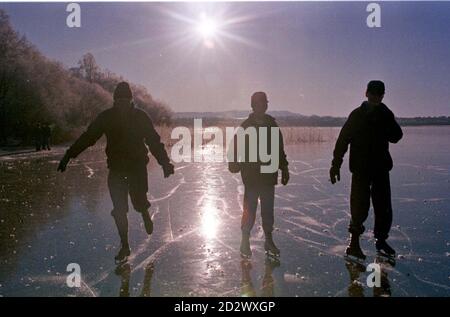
311,58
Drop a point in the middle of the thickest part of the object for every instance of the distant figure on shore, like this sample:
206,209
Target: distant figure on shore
369,129
128,130
46,133
37,136
257,185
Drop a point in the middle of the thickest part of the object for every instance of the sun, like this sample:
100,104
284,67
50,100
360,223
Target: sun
216,29
207,27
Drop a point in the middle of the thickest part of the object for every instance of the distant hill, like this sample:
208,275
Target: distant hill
288,118
231,114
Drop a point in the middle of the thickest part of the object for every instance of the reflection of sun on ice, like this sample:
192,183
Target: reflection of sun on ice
209,220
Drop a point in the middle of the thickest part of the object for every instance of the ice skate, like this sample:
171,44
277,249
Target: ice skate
384,249
246,252
148,223
354,249
270,247
122,256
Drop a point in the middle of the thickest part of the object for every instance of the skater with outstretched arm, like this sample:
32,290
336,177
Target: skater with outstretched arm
368,130
259,185
129,131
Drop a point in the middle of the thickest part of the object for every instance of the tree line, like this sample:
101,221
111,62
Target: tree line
35,89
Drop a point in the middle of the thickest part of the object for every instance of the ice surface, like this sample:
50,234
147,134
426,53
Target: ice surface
48,220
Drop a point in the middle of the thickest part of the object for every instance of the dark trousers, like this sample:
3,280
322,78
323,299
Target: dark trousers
131,182
266,194
375,186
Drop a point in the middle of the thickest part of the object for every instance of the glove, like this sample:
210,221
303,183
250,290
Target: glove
63,163
284,176
168,170
234,167
335,174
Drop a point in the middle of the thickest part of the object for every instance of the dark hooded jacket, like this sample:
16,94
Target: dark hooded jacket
128,130
251,171
368,130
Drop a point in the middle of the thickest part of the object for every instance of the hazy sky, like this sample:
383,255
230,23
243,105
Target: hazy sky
311,58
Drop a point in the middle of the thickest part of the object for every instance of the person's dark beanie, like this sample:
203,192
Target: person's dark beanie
257,97
122,91
376,87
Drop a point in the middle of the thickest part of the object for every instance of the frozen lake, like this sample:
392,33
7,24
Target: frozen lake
48,220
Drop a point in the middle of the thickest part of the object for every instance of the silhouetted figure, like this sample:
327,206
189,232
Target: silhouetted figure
369,129
128,130
46,133
259,185
37,136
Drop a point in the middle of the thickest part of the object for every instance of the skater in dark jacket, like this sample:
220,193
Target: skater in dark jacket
368,130
259,185
129,131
